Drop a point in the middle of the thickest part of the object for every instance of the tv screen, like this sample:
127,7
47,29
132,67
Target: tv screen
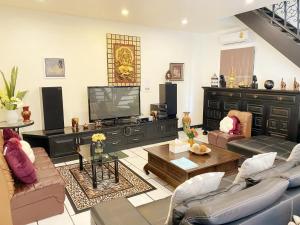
113,102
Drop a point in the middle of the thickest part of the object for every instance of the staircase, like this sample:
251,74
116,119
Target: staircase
279,25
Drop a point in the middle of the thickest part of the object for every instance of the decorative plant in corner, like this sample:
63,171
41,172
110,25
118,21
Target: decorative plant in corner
10,100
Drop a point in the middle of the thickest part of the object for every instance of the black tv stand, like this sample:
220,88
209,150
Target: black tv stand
60,146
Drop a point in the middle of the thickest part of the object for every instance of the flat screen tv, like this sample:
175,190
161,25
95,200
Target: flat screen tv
113,102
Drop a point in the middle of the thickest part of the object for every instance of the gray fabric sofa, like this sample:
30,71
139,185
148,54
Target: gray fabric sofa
278,212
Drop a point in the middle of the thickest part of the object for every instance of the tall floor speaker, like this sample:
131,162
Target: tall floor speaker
168,96
53,111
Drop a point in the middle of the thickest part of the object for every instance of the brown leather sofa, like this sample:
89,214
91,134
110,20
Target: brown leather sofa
44,198
220,139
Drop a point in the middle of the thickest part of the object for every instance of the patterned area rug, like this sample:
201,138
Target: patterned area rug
80,190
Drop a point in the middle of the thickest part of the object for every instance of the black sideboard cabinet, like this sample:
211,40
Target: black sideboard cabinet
275,112
60,147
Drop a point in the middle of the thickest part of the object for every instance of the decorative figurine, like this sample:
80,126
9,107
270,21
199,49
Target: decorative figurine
296,85
254,84
282,85
85,126
269,84
231,79
75,123
222,82
98,123
168,75
214,81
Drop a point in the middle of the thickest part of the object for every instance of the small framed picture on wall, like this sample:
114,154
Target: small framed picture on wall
54,68
176,72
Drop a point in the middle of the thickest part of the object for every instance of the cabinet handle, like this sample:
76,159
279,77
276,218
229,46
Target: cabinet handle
255,96
115,142
137,130
230,94
114,133
279,98
213,93
267,123
135,139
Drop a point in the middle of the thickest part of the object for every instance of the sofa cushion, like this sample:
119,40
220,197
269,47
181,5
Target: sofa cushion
7,175
48,192
255,164
234,206
201,184
18,161
28,150
274,171
179,210
220,139
9,133
293,176
295,154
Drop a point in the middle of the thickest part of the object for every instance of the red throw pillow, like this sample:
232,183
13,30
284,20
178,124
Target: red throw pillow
18,161
236,126
8,134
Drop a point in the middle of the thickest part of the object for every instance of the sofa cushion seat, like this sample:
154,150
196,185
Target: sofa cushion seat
262,144
220,139
46,194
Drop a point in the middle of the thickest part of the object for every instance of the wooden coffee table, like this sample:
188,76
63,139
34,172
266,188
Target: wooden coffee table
218,160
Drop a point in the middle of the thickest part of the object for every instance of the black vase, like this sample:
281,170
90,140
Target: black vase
269,84
222,82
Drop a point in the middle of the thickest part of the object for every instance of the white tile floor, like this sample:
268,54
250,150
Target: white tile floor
136,160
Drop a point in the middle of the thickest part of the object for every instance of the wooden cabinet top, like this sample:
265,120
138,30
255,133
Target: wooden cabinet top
250,90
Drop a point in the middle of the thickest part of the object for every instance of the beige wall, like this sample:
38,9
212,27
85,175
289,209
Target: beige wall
27,37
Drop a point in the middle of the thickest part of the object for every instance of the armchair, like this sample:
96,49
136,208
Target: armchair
220,139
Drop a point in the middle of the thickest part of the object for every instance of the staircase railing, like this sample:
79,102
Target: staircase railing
286,15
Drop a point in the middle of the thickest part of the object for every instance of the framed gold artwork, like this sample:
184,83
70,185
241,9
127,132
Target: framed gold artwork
123,60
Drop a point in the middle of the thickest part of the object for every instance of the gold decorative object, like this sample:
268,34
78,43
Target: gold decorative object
296,85
231,79
282,85
85,126
123,60
186,121
75,123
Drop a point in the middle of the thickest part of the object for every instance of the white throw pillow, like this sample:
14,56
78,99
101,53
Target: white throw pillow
226,124
28,150
254,165
295,154
198,185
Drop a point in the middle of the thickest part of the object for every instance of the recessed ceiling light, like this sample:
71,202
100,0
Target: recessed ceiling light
184,21
249,1
40,0
125,12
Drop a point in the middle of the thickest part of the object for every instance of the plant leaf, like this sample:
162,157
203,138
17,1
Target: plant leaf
6,84
21,94
13,80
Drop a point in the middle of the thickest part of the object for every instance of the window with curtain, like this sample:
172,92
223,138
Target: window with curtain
240,62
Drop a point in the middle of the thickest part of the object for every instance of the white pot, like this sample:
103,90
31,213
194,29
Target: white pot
11,116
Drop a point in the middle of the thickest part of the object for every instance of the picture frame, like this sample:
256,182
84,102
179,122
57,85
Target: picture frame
54,68
176,72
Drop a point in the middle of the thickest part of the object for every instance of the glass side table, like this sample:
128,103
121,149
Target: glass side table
16,126
87,153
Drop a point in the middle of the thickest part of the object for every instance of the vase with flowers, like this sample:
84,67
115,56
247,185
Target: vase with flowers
98,140
10,99
191,134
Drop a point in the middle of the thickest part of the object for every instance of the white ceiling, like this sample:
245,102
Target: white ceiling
202,15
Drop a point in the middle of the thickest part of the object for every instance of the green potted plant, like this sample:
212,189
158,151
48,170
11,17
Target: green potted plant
10,99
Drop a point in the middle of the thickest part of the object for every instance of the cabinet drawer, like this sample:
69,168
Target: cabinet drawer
280,112
281,98
231,105
135,138
225,93
213,104
137,130
62,146
114,133
257,109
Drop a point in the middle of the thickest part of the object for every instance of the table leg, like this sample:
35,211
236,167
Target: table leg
94,172
116,171
80,162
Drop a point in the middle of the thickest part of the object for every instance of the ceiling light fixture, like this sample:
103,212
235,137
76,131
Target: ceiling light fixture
249,1
125,12
184,21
